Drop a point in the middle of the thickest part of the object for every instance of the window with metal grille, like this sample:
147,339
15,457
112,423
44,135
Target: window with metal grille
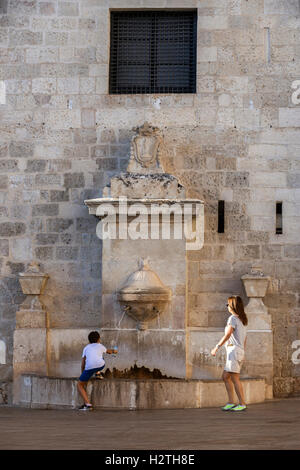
153,52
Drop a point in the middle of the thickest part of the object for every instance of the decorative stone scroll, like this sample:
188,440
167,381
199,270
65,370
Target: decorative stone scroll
145,150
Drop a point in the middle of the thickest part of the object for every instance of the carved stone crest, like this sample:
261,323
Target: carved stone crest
144,155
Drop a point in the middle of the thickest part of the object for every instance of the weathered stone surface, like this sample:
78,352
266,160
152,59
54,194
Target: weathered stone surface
236,139
68,9
36,166
276,7
21,149
55,393
59,196
67,253
10,229
47,8
74,180
58,225
292,251
23,37
44,252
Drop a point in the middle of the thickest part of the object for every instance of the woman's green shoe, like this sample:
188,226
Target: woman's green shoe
239,408
228,407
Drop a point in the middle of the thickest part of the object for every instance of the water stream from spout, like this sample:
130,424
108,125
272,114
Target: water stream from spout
119,330
159,347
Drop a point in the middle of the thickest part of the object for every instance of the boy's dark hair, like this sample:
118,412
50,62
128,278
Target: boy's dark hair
93,336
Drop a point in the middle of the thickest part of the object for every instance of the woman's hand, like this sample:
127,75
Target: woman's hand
213,352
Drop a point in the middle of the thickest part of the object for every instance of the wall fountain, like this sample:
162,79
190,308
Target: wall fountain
148,206
147,225
154,335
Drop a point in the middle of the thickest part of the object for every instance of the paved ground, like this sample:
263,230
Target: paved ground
271,425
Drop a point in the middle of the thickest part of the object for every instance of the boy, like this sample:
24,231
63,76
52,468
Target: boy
92,363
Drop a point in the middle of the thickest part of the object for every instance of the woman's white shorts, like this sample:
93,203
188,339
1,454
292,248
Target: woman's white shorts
234,359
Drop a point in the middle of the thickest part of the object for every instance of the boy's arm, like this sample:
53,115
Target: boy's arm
82,364
111,351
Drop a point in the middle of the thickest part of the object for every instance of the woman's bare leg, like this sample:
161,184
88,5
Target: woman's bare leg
238,387
226,376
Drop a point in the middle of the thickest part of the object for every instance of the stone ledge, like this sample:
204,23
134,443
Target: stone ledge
55,393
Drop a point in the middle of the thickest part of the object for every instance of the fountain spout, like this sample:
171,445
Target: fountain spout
144,296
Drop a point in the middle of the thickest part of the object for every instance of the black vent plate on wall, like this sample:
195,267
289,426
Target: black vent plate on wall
153,52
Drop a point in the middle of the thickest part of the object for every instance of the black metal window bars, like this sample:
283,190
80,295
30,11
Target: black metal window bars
153,52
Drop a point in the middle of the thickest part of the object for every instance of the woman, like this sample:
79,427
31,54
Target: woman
235,339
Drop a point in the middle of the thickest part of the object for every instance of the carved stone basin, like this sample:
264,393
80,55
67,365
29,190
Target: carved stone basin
144,296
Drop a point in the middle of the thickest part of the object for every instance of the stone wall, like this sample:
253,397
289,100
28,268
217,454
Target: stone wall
62,137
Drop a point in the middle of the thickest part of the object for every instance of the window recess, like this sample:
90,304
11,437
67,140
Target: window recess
153,52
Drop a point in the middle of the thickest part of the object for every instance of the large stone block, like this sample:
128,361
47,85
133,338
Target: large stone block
66,346
45,180
68,85
232,84
289,117
259,346
88,118
212,22
64,119
47,8
207,54
247,119
44,253
293,180
68,9
66,253
55,38
21,7
25,38
73,180
268,179
21,249
21,149
58,225
244,252
30,352
276,7
10,229
292,251
36,166
201,365
45,209
3,181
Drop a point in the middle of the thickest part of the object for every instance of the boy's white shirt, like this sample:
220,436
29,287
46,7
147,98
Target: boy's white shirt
93,354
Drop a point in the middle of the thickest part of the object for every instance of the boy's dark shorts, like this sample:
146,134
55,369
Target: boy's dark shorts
87,374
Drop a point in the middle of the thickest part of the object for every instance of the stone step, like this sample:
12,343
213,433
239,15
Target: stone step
55,393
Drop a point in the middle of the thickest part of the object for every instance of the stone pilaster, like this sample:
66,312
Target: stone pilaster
31,334
259,346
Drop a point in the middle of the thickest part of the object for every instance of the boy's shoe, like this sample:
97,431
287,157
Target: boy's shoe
99,375
239,408
228,407
85,407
